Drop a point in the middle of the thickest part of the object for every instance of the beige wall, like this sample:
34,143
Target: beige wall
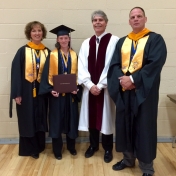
76,14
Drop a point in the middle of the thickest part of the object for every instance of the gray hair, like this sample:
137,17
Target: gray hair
99,13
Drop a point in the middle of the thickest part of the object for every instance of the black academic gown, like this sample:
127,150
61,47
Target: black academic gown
136,110
32,113
63,110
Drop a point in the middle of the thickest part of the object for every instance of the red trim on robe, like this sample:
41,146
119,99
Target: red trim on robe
96,102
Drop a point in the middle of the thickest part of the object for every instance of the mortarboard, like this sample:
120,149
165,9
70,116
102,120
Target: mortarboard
61,30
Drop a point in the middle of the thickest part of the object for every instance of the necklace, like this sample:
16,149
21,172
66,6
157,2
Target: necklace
37,56
65,62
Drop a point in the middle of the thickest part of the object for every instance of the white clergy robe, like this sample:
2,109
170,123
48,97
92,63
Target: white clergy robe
84,78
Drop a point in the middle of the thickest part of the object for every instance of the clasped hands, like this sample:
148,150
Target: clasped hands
56,94
126,83
95,90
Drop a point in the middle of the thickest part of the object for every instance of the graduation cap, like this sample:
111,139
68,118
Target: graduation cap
61,30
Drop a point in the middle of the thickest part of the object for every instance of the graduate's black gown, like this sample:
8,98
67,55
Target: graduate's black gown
136,110
32,113
63,110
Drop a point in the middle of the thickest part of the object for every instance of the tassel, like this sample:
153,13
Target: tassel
34,92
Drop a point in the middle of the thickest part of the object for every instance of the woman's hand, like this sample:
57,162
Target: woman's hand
18,100
54,93
75,92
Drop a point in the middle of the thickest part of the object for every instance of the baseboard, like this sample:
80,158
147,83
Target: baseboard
79,140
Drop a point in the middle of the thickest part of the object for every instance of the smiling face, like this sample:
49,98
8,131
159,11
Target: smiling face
63,40
99,25
137,20
36,34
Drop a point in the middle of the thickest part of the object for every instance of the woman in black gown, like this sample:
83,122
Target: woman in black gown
27,67
63,107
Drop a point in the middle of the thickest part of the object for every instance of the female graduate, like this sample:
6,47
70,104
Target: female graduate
63,107
26,70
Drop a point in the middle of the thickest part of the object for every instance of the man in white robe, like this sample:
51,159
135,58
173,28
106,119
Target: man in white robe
97,110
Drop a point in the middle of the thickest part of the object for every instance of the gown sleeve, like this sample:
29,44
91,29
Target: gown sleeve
16,76
45,87
145,78
84,76
114,73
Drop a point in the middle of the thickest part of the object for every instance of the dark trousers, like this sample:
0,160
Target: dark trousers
107,140
57,144
32,145
129,159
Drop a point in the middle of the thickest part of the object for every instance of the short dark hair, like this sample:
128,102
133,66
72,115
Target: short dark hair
29,27
138,8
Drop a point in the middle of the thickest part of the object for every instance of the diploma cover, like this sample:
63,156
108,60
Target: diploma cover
64,83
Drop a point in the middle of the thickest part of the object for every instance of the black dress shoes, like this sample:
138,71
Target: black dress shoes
108,156
145,174
72,151
58,157
90,152
120,166
35,156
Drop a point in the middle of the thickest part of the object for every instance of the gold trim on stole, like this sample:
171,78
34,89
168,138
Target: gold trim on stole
43,55
30,66
74,65
136,62
53,65
74,62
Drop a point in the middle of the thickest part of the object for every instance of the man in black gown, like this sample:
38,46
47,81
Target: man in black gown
133,84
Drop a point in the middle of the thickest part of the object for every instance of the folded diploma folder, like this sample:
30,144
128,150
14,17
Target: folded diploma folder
64,83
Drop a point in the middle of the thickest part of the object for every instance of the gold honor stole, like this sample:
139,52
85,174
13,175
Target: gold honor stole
136,62
30,64
53,65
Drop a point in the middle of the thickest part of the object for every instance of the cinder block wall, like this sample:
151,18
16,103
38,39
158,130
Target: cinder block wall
76,14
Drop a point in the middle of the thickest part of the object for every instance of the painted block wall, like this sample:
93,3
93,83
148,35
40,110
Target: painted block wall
77,14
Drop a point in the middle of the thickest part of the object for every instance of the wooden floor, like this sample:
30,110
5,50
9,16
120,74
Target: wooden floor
13,165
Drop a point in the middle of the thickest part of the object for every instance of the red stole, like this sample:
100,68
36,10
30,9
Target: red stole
95,67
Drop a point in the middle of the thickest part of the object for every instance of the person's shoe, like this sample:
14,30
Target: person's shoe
35,156
108,156
145,174
90,152
58,157
120,166
72,151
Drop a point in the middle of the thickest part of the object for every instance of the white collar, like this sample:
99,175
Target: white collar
99,37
